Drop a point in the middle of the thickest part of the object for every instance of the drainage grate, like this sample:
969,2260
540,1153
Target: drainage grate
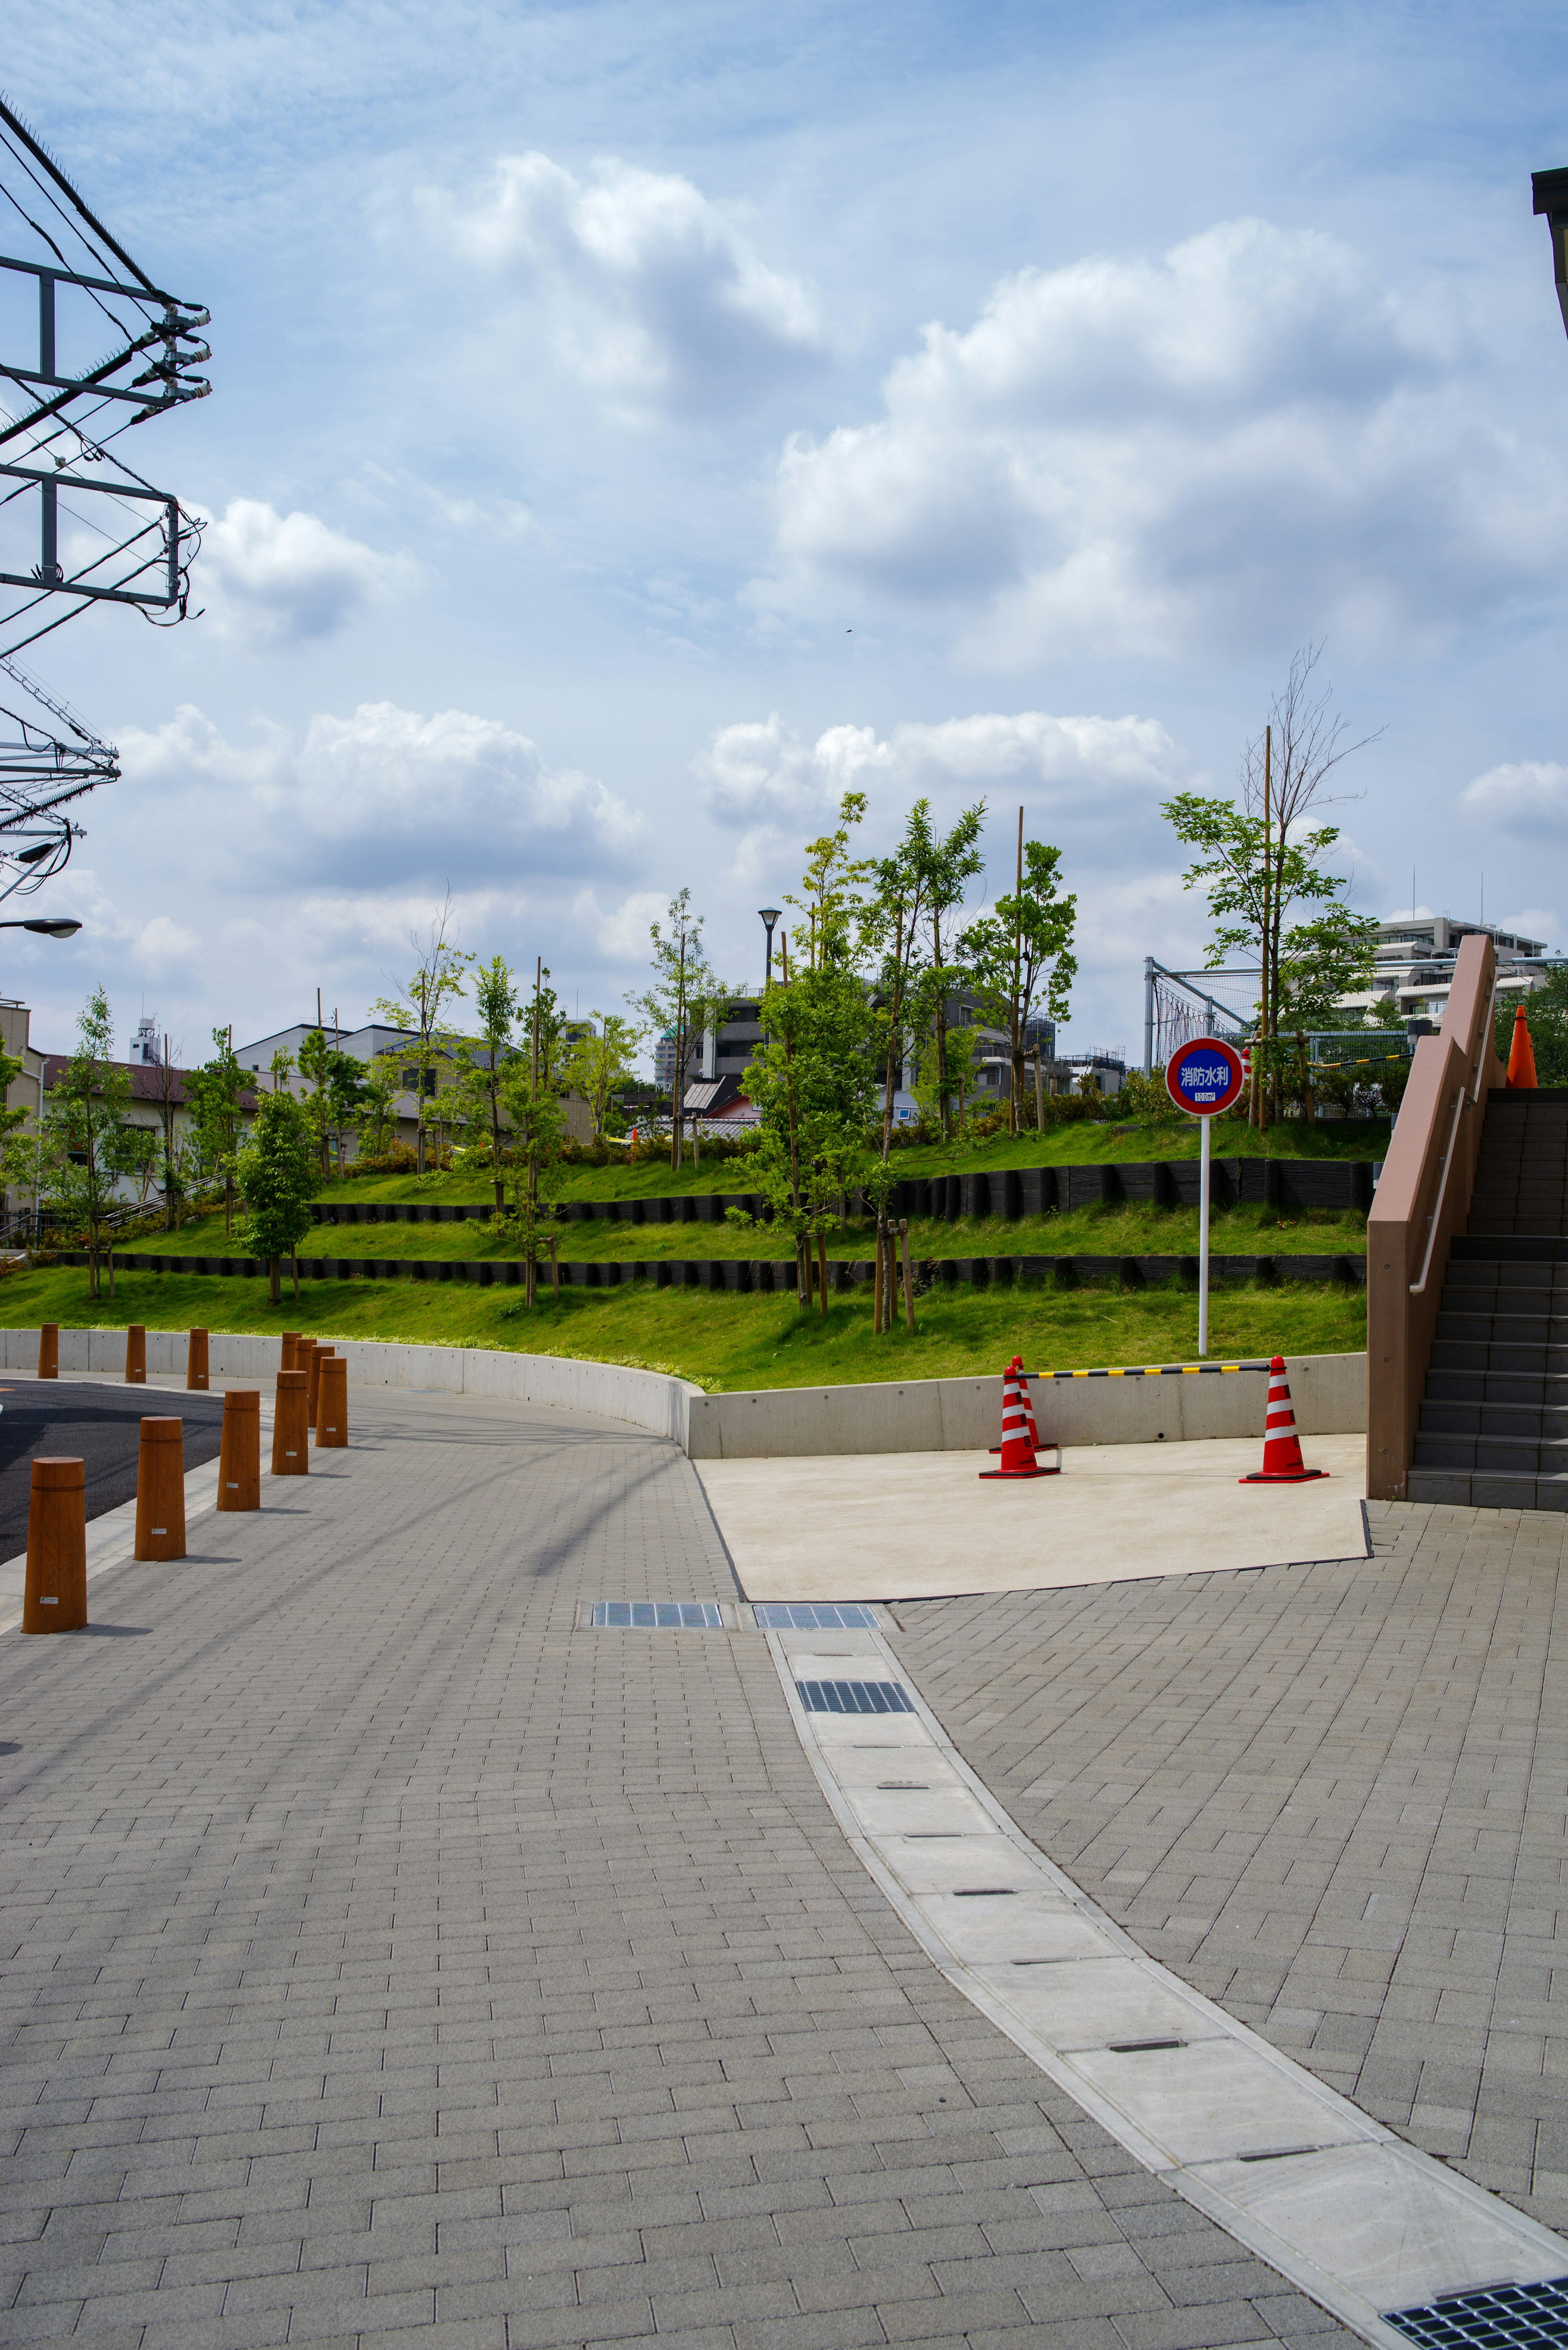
854,1697
1503,2317
799,1615
658,1615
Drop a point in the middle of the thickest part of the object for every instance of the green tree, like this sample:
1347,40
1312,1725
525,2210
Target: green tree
497,1003
279,1176
686,996
89,1140
420,1010
18,1149
1020,958
315,1068
379,1088
954,863
214,1092
533,1103
1261,856
596,1063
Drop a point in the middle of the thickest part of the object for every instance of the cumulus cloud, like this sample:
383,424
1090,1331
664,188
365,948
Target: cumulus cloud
1076,772
387,796
288,580
1251,435
1530,797
652,294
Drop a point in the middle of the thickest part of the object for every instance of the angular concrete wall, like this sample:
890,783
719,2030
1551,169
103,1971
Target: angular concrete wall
1329,1392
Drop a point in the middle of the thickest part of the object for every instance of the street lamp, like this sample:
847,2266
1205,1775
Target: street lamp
58,929
769,915
1550,190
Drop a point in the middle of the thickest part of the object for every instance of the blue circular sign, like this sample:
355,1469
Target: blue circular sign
1204,1076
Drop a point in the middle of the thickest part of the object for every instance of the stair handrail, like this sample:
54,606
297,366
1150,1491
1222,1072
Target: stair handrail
1435,1221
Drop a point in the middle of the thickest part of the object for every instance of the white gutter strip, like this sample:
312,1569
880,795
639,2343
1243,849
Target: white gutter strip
1333,2200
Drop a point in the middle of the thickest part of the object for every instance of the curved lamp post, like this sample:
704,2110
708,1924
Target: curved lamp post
768,916
1550,190
60,929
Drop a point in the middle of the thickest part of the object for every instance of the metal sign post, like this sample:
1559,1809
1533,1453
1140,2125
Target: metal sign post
1203,1078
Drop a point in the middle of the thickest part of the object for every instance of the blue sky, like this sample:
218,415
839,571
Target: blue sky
631,426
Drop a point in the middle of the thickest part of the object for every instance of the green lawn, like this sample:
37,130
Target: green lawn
1130,1230
736,1342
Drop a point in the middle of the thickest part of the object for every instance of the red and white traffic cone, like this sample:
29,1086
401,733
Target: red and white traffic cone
1017,1452
1028,1405
1282,1462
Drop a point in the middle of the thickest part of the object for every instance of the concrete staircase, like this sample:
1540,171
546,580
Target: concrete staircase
1494,1419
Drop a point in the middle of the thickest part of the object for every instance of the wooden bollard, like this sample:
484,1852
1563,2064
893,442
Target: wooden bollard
196,1359
135,1355
49,1351
161,1489
290,1341
320,1356
55,1595
290,1426
332,1401
239,1456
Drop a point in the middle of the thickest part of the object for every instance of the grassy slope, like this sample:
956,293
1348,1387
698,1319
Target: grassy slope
1088,1144
1126,1230
735,1342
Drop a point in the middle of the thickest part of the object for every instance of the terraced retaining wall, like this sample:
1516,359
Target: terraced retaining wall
754,1276
1012,1192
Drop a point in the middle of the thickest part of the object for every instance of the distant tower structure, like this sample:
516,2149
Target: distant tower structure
144,1048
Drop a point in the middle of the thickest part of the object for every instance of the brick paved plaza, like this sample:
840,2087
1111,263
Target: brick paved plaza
389,1960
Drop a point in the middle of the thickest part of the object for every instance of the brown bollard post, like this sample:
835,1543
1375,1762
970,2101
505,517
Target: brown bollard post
290,1341
332,1401
54,1596
303,1351
290,1426
239,1456
135,1355
49,1351
196,1359
320,1356
161,1489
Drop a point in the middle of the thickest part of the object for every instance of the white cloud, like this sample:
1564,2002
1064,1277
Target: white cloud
653,295
1249,437
1528,797
387,797
621,935
1082,773
286,579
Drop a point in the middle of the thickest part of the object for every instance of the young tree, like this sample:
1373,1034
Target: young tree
686,996
19,1149
954,863
533,1103
1021,956
602,1060
381,1084
87,1138
166,1091
213,1091
420,1010
497,1003
279,1177
1258,859
314,1067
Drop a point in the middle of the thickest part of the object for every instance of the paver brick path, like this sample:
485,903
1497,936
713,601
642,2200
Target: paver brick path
386,1960
1332,1797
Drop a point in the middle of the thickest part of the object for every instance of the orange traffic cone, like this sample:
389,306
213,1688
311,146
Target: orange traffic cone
1282,1462
1522,1077
1017,1453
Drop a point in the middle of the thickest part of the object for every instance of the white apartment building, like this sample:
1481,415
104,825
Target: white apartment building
1416,955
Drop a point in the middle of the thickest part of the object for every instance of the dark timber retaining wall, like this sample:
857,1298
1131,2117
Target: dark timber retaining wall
753,1275
1012,1193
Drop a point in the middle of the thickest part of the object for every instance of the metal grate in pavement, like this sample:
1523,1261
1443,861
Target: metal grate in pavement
1503,2317
814,1616
658,1615
854,1697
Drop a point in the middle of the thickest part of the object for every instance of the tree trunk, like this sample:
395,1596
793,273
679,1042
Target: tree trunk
274,1287
908,1273
554,1268
293,1263
822,1269
877,1284
1039,1094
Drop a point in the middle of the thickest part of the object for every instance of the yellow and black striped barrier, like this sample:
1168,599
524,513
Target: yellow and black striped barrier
1151,1371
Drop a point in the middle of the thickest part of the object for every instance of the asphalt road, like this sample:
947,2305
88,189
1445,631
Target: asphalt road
98,1425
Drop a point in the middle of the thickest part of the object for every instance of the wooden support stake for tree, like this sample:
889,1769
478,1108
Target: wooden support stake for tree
909,1275
876,1288
822,1269
555,1267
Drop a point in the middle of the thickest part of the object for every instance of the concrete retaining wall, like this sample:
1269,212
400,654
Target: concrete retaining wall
1329,1392
646,1400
